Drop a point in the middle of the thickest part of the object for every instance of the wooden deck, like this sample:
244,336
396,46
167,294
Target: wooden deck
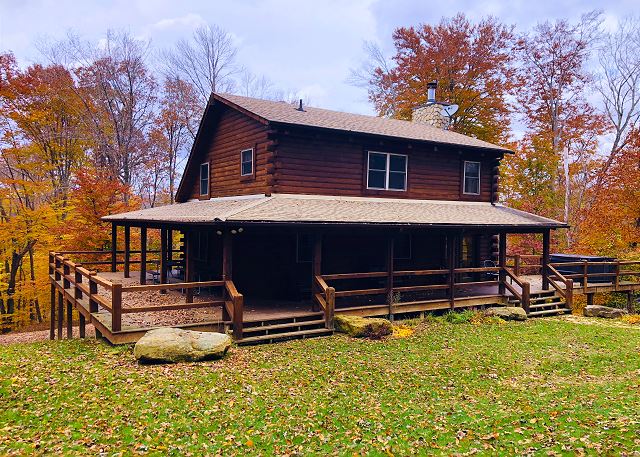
122,309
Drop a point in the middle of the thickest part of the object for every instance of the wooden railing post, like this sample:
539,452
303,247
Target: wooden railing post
516,264
502,262
569,293
78,296
93,305
616,281
114,246
69,305
116,307
585,275
238,305
526,296
331,307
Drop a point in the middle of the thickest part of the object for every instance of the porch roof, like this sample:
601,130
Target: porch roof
316,209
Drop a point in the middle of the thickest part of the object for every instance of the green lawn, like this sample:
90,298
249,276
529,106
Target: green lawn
540,387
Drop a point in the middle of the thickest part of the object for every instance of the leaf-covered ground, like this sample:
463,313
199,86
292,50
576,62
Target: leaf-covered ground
541,387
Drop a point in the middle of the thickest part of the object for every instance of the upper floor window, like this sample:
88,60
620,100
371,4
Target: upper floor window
246,162
386,171
471,178
204,179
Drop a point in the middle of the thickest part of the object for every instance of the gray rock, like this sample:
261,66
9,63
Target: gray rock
508,313
177,345
603,311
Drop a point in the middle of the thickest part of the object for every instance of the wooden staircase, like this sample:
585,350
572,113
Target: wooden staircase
309,325
544,303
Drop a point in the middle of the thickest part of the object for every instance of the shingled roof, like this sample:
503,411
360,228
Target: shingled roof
316,209
286,113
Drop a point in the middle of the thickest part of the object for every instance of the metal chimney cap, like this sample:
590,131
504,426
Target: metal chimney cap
431,91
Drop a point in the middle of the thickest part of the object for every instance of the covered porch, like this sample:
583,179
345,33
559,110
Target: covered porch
276,262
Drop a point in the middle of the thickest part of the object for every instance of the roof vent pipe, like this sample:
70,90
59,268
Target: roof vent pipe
431,91
299,108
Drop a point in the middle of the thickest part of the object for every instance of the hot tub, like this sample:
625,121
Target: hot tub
578,269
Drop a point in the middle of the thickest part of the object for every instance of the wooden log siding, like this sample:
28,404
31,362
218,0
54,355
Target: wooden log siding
233,133
336,165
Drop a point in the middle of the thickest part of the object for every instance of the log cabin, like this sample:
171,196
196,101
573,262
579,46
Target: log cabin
287,215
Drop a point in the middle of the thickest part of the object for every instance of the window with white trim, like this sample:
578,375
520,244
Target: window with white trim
471,178
204,179
386,171
246,162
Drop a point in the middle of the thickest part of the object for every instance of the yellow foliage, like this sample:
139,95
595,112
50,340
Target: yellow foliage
402,331
631,319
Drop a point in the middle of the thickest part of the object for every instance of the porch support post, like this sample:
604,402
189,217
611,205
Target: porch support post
227,256
163,258
60,314
169,246
52,317
188,263
114,246
502,263
630,305
546,241
590,299
143,255
390,247
316,269
127,251
451,253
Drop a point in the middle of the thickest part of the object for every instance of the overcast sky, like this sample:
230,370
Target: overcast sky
307,46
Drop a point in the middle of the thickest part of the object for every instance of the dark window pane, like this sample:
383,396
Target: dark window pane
397,180
204,179
472,169
247,155
471,185
247,168
377,161
376,179
397,163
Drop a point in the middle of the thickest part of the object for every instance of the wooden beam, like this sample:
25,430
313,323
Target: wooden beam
390,248
546,241
188,263
163,258
227,256
69,319
316,269
451,254
127,250
143,255
502,262
114,246
116,307
60,314
52,317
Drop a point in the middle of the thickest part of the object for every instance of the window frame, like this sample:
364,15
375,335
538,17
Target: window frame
253,162
200,180
388,171
464,178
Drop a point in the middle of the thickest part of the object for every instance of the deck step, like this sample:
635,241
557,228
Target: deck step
549,312
287,325
312,333
559,303
302,318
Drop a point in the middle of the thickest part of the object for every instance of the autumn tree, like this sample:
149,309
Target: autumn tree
563,127
472,64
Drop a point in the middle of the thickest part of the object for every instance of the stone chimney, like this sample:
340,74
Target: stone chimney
431,112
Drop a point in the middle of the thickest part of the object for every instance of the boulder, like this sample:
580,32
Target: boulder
177,345
363,326
603,311
508,313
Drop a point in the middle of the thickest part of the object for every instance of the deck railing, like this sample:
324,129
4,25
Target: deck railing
75,284
325,297
386,284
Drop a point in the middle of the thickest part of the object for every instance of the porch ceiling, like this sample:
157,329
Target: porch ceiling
316,209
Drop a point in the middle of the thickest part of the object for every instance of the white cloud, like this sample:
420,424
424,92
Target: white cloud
188,20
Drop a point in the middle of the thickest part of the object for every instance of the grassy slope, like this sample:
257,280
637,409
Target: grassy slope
520,387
